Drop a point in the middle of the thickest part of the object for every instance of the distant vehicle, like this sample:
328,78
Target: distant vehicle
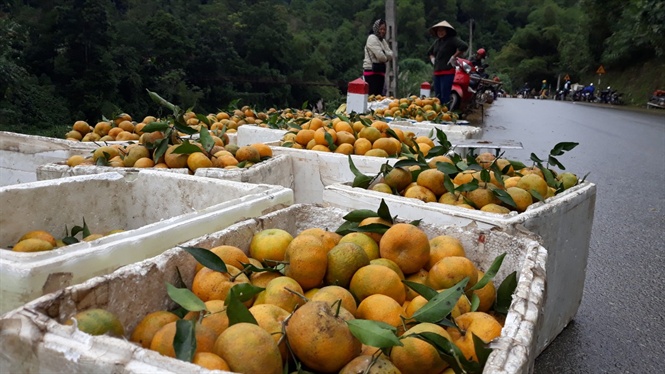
657,100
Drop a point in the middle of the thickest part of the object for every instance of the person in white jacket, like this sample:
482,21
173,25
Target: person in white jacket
377,54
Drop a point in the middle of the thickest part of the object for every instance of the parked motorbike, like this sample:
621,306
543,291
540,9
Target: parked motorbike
577,94
525,92
657,100
462,94
561,95
615,98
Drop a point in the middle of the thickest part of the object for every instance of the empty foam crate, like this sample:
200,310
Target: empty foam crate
34,338
563,223
156,210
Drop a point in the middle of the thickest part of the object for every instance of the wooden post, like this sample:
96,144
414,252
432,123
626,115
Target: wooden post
391,37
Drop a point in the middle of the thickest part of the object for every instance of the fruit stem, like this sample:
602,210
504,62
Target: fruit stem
297,293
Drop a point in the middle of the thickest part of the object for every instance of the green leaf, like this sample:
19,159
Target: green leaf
549,177
482,350
347,228
330,141
184,342
517,165
374,334
69,240
416,222
553,161
203,119
446,168
423,290
359,215
538,196
440,305
559,148
206,140
405,163
373,227
184,128
76,230
504,197
304,105
469,186
86,230
160,150
161,101
353,168
207,258
362,181
448,183
490,273
475,302
236,310
103,161
535,158
504,294
156,126
392,133
485,176
185,298
384,211
244,292
186,148
450,353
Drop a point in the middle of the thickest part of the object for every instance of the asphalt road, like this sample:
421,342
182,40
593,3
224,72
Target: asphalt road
620,325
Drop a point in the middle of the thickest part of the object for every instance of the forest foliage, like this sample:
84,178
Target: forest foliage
63,60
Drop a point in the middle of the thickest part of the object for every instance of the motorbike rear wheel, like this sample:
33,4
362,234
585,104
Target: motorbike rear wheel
454,101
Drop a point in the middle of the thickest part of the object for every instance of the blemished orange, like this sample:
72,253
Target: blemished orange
248,348
381,308
444,246
162,341
278,293
320,337
334,294
149,325
390,264
407,246
270,318
210,361
307,261
451,270
212,285
479,324
264,150
417,356
361,364
270,245
377,279
329,238
231,255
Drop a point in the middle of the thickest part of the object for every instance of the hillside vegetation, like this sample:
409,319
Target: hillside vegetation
64,60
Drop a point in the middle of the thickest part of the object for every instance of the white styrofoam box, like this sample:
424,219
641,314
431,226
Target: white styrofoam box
563,222
157,210
253,134
34,339
61,169
276,170
20,154
312,170
233,137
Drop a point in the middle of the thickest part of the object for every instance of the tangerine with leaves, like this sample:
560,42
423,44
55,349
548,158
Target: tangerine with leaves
479,324
231,255
451,270
213,285
162,341
381,308
149,325
320,337
406,245
248,348
417,356
270,245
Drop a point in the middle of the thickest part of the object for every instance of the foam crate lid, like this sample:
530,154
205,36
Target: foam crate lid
276,170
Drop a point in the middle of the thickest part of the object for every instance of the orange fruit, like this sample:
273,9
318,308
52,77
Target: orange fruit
264,150
149,325
334,294
329,238
434,160
39,234
444,246
320,337
451,270
32,245
479,324
82,127
377,279
432,179
278,293
390,264
421,193
270,244
304,136
230,255
162,341
407,246
175,160
418,277
343,261
381,308
270,318
213,285
210,361
486,295
248,153
307,261
365,242
418,356
521,197
361,364
248,348
217,320
98,322
361,146
198,160
374,235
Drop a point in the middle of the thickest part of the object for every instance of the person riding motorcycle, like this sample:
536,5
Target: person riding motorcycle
588,91
477,61
566,89
605,95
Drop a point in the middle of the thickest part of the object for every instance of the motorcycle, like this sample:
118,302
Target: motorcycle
577,94
561,95
615,98
657,100
525,92
461,95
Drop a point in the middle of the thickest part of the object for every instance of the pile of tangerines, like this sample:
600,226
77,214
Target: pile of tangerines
340,136
419,109
326,280
429,184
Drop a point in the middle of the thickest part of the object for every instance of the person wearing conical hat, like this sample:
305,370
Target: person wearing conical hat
443,54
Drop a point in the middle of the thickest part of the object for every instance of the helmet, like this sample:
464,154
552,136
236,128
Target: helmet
591,84
481,52
544,81
609,88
